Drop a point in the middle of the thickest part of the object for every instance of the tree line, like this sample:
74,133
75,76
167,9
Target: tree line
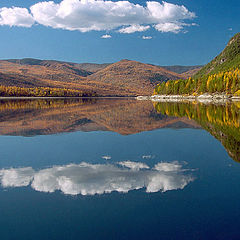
12,91
223,82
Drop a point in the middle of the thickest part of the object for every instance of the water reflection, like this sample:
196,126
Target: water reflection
221,121
49,116
90,179
46,116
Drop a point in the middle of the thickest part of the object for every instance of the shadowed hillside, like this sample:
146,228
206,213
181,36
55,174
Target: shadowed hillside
183,69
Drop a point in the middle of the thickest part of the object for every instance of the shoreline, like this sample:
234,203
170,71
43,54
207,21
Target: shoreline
30,98
204,98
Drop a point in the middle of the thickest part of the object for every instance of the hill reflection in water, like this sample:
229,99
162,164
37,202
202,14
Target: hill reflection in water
124,116
49,116
221,121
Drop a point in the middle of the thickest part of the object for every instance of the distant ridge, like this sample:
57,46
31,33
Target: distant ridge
182,69
94,67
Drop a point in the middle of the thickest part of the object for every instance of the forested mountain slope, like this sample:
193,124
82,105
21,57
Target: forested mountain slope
221,75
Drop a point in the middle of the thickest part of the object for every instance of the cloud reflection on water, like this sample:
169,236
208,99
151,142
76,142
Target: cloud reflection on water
90,179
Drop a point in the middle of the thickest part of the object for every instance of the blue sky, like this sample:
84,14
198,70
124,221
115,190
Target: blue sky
179,36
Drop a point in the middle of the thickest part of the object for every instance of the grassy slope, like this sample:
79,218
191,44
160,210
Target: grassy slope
228,59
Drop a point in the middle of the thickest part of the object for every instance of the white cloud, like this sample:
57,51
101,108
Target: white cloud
107,157
18,177
16,17
147,156
134,28
134,165
89,15
90,179
146,38
106,36
169,27
168,167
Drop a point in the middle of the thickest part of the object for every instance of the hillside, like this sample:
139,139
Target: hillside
83,69
94,67
191,72
55,75
124,78
182,69
228,59
133,75
221,75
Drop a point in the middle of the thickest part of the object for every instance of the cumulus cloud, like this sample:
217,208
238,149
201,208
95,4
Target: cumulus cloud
106,36
16,17
18,177
90,179
89,15
134,28
146,38
169,27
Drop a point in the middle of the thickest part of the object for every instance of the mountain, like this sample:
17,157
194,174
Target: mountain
93,67
133,75
58,65
123,78
54,74
228,59
183,69
83,69
221,75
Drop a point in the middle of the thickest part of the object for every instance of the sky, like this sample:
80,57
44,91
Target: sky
171,32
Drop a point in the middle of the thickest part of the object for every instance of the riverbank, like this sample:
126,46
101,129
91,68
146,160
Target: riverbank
205,98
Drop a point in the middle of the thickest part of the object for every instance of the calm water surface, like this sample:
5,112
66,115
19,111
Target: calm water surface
119,169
